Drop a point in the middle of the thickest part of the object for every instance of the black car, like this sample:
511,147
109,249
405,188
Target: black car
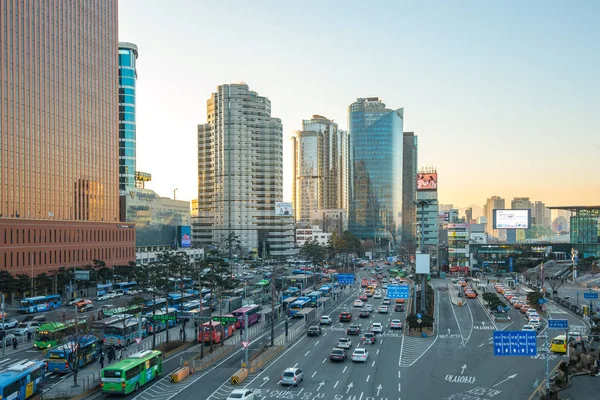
364,314
314,331
399,308
353,330
338,354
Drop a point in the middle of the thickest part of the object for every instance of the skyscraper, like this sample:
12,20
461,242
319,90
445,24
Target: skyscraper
376,139
491,204
59,138
409,190
128,54
320,179
521,203
240,176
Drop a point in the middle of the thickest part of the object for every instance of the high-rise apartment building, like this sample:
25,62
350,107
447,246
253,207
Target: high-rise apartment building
541,214
521,203
409,191
491,204
376,140
128,53
59,137
240,175
320,180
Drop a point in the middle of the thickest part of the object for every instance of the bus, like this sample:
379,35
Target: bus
216,331
300,304
315,298
325,290
159,303
103,288
98,327
251,311
22,380
176,300
290,292
125,286
39,303
159,326
286,303
129,374
111,312
50,334
122,334
59,359
191,305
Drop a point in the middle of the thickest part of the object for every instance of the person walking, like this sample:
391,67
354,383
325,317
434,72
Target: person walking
111,355
15,343
29,336
120,354
101,360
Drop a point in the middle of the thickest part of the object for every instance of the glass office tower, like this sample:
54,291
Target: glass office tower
376,140
128,53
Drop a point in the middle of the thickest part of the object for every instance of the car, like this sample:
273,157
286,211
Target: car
535,322
529,328
377,327
8,339
291,376
386,301
241,394
338,354
103,297
9,324
384,286
369,338
75,300
314,331
86,308
325,320
399,308
345,316
531,312
377,295
353,330
368,307
344,343
23,328
364,314
396,324
383,309
363,297
360,354
358,303
471,294
575,337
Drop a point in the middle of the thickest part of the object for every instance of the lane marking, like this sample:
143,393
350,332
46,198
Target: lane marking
313,375
372,365
324,361
336,383
345,368
368,377
306,353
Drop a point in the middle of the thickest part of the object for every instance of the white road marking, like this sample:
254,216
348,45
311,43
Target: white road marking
372,365
399,374
324,361
368,377
306,353
377,351
316,343
336,383
344,370
313,375
295,365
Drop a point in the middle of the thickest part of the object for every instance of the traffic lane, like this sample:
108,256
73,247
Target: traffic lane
483,323
576,324
448,326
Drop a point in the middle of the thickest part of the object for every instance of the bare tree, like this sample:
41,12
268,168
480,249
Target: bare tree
79,347
555,284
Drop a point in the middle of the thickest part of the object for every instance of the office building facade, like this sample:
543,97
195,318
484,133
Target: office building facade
376,141
128,53
491,204
409,191
320,172
59,137
240,176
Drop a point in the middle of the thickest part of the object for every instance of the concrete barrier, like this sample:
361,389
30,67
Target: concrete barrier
211,358
239,376
180,374
264,358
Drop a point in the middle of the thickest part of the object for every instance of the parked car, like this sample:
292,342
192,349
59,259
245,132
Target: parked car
9,324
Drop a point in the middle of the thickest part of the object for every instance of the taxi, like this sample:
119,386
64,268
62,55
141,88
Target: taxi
471,294
462,283
518,304
524,308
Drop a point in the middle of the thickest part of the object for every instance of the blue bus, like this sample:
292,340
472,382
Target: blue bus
298,305
325,290
176,301
290,292
315,298
124,333
22,380
159,326
61,358
160,303
125,286
297,272
103,288
39,303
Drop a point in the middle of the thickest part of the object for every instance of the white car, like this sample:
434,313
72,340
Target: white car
241,394
103,297
358,303
368,307
377,295
528,328
377,327
396,324
535,322
27,327
360,354
325,320
344,343
531,313
383,309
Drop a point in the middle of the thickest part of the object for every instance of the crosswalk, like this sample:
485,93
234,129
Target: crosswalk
413,348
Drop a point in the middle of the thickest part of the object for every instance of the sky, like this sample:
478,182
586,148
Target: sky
502,95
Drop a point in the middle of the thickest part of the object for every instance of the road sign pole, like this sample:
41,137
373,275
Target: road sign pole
246,336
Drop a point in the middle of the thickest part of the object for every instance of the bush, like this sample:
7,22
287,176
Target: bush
170,346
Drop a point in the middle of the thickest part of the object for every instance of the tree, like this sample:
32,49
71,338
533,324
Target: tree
43,283
8,284
230,246
555,284
73,344
314,251
23,283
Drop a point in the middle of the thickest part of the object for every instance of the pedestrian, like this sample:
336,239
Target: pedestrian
180,333
29,336
111,356
14,343
101,360
120,354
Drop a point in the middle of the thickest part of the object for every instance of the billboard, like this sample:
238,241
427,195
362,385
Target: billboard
427,181
184,236
283,209
423,263
512,219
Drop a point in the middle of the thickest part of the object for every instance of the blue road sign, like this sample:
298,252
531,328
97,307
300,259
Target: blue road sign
510,264
499,308
542,301
591,295
515,343
346,279
397,292
419,315
562,324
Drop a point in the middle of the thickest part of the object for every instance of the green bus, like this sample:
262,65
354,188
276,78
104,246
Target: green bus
128,375
50,334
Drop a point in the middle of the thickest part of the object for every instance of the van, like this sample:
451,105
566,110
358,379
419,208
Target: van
559,344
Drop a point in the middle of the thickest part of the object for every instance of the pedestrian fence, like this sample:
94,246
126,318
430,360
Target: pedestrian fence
239,376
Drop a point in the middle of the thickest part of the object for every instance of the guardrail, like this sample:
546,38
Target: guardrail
239,376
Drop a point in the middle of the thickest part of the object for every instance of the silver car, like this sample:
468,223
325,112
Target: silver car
291,376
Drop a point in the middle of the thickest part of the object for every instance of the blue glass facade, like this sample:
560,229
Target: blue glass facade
127,76
376,144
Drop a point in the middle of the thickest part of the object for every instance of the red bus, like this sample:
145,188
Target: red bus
213,329
251,311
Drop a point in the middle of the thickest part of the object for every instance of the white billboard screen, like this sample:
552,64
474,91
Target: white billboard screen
512,219
423,263
283,209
